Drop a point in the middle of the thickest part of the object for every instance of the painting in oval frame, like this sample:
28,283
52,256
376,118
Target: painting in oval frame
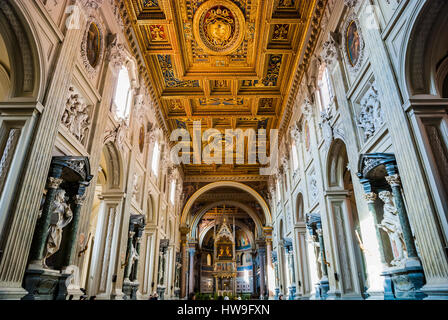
353,43
93,44
141,139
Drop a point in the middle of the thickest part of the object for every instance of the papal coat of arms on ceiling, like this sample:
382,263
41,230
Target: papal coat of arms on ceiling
218,27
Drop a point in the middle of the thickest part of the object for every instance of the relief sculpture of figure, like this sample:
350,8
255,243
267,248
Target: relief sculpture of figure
391,225
61,216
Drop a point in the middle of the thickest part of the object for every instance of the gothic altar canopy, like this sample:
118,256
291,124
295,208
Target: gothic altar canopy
225,271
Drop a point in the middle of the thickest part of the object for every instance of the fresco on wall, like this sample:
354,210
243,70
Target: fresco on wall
353,43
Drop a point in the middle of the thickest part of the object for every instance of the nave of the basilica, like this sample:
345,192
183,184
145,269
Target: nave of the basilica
197,149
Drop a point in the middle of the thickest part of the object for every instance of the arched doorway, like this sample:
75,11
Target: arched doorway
350,269
104,225
22,78
207,207
425,50
306,266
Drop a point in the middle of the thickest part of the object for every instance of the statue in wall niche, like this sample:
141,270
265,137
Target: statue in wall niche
61,216
391,225
134,255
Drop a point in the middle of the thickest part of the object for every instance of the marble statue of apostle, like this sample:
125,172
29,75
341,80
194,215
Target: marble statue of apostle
61,216
391,224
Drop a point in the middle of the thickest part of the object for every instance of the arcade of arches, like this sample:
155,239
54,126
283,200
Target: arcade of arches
348,97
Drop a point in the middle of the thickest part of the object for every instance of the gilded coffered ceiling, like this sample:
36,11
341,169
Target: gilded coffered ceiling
228,63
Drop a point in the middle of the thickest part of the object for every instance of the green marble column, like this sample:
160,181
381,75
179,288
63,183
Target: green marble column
43,223
72,229
262,255
322,251
137,249
127,270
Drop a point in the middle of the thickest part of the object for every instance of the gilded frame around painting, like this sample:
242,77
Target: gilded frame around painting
92,46
353,44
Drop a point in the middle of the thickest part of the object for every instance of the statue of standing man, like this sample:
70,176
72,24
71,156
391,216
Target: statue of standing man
61,216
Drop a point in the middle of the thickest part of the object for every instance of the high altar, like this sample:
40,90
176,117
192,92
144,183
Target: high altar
224,270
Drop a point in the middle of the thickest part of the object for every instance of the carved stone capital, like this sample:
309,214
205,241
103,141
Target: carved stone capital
329,52
307,108
54,183
296,132
350,3
116,52
394,180
80,199
370,197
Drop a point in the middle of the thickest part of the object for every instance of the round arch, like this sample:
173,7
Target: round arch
237,223
300,208
336,161
25,53
421,69
197,217
114,166
214,185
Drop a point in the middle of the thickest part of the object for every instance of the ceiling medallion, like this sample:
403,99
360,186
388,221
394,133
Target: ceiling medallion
219,27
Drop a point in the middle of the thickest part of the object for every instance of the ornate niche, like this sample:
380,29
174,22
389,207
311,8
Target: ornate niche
55,244
130,285
77,116
219,27
353,44
92,46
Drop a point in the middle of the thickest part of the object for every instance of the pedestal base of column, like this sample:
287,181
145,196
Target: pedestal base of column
434,292
277,293
161,292
322,289
45,284
375,295
130,290
177,293
12,293
292,292
404,283
74,287
333,295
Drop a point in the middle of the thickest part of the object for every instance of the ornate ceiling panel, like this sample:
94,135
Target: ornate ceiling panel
227,63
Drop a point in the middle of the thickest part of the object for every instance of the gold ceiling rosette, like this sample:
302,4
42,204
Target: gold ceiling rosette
218,27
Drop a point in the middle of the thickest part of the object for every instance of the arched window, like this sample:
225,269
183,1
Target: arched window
172,191
295,159
242,258
279,195
209,259
325,89
123,94
155,159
